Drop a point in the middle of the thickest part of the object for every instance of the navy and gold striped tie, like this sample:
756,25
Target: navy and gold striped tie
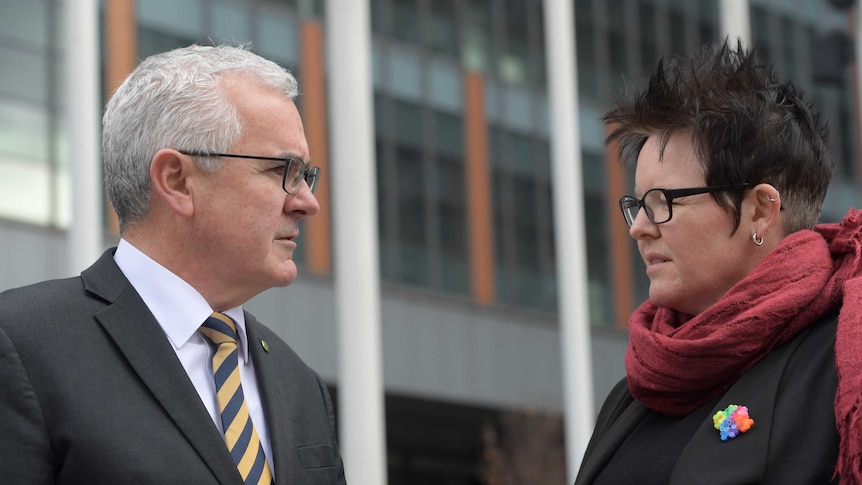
239,433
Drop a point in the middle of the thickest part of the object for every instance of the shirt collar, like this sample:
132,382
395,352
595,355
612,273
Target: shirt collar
176,305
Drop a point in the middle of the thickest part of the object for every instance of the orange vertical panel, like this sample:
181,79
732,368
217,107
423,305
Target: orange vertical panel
313,84
479,215
121,53
621,256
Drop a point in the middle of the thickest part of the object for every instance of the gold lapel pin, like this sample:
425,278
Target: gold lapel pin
264,345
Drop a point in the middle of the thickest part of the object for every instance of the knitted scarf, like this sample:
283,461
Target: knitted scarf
676,362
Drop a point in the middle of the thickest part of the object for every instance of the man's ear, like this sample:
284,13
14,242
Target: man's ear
169,173
766,214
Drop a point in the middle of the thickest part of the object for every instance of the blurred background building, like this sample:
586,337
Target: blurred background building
472,364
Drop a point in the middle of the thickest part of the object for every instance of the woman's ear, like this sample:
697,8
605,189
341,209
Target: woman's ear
169,175
766,214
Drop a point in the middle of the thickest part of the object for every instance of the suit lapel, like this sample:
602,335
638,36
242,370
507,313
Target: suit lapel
141,340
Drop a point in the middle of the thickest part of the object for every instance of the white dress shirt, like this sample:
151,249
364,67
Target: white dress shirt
181,310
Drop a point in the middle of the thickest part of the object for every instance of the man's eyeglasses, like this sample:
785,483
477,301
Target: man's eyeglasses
658,203
295,170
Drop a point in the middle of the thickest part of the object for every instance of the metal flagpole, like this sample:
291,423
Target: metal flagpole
82,119
569,227
357,277
735,21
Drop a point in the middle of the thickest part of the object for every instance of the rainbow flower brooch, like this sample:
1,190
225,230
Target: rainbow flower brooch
732,421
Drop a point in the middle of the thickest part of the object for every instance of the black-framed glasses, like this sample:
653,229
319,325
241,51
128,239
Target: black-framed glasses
295,170
658,203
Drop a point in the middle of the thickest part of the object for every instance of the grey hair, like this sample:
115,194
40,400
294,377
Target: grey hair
174,100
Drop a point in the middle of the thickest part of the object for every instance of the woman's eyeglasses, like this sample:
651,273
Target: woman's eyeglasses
658,203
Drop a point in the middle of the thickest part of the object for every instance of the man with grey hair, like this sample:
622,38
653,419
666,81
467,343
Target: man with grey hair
146,368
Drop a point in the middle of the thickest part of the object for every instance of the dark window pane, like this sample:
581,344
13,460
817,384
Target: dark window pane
405,21
408,124
444,32
449,134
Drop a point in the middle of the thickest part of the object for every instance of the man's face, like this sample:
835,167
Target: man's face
248,224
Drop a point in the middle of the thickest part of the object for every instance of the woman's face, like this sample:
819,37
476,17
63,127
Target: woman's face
693,259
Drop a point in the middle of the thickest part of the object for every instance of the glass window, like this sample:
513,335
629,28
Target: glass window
846,159
527,252
588,85
512,65
446,88
598,267
791,54
24,75
230,23
405,21
291,3
707,31
649,40
62,192
448,134
678,42
452,223
377,17
476,49
450,182
760,32
444,33
26,189
616,14
379,124
152,42
505,274
413,260
384,203
617,48
411,183
595,181
182,18
519,155
378,52
278,38
405,74
26,21
708,21
518,108
542,125
314,9
408,124
538,66
24,131
492,106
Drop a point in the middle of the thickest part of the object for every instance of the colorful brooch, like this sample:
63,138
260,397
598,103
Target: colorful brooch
732,421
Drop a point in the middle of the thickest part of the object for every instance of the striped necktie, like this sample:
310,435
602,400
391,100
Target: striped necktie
239,433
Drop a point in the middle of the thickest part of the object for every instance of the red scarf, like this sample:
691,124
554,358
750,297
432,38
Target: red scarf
676,362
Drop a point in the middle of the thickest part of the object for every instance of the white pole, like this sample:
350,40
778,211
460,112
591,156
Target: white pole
570,232
735,22
357,278
82,119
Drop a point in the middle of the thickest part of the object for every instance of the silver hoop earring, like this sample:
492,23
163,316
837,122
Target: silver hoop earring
759,242
772,199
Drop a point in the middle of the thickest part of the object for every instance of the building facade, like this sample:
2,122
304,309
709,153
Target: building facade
462,146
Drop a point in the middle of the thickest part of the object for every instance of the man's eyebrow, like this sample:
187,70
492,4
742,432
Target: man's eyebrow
286,155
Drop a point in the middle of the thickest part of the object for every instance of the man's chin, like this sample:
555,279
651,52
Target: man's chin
286,274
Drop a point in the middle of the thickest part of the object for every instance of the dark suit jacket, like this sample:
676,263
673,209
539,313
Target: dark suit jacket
91,391
789,394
